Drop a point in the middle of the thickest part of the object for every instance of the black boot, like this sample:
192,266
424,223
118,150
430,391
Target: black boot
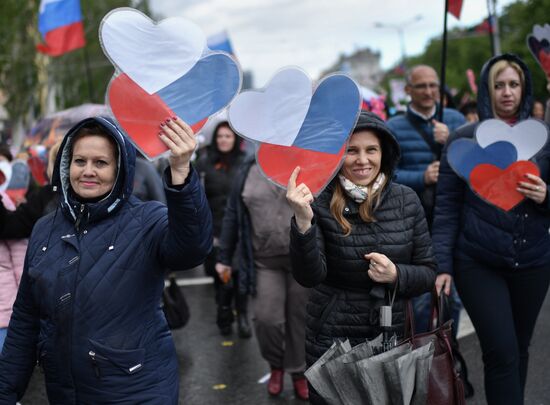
225,320
241,303
225,311
244,328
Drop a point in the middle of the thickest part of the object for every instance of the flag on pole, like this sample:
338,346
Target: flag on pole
455,7
60,23
485,27
220,42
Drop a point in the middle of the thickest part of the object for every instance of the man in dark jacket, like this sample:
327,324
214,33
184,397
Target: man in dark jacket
421,136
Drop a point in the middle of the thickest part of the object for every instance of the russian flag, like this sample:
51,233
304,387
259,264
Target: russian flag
60,23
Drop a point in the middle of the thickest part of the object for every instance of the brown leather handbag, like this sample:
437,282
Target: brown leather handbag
445,386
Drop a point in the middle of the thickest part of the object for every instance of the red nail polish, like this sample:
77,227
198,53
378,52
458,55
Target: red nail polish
175,118
160,134
167,119
162,124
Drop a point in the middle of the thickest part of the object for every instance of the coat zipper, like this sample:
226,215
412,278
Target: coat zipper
94,356
79,219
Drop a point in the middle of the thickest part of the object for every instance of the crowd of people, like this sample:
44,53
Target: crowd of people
84,258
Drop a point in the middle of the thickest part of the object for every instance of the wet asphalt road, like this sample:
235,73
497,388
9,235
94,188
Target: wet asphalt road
216,370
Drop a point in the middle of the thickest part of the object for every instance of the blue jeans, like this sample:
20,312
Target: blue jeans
422,306
3,333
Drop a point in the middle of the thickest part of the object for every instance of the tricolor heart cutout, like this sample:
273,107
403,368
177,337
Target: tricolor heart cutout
498,186
163,69
313,136
538,43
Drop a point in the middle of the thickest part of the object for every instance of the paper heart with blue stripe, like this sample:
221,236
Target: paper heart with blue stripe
538,43
465,154
295,125
163,69
499,155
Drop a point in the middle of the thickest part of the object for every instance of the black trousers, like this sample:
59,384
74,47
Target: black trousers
226,294
503,305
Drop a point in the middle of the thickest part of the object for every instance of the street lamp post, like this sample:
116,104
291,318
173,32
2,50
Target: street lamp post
400,31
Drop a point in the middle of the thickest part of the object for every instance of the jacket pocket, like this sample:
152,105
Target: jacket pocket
46,360
109,361
318,324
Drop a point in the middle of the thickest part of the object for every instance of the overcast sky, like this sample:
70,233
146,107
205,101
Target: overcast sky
270,34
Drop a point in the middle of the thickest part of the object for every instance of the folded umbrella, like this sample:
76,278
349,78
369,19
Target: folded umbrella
371,373
318,375
343,372
406,376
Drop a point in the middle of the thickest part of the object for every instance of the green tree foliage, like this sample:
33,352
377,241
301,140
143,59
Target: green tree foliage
80,76
18,73
467,49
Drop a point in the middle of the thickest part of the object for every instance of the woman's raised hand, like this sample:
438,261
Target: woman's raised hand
535,189
300,199
180,139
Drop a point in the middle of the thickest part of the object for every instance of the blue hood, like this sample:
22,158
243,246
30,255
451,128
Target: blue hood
123,186
484,108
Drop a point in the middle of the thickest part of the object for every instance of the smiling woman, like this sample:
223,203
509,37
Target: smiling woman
93,164
88,303
363,238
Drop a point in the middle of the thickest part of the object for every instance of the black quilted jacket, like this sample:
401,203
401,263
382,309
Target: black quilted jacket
344,302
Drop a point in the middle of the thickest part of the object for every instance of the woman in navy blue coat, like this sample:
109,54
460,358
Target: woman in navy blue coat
88,306
499,260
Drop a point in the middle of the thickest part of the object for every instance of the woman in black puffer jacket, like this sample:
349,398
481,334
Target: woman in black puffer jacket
363,237
217,169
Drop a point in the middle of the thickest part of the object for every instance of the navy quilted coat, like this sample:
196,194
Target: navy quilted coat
88,306
467,227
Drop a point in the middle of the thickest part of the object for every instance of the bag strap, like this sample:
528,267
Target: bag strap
435,148
409,322
436,314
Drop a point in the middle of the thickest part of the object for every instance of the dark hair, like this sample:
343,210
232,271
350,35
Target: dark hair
469,108
5,151
448,98
94,129
225,159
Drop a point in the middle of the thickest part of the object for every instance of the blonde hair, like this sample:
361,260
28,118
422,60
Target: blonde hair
366,208
52,155
497,69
